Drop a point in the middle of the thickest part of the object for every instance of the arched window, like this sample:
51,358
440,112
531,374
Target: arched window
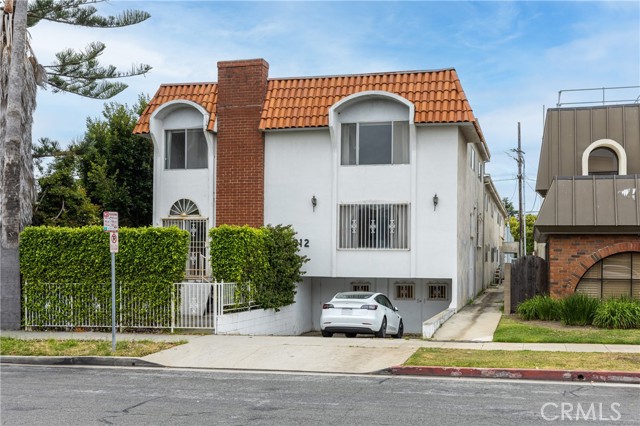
614,276
603,161
184,207
604,157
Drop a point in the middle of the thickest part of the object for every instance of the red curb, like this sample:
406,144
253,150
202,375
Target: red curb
522,373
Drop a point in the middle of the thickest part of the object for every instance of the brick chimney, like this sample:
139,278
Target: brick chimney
242,87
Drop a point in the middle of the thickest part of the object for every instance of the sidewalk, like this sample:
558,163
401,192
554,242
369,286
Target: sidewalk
475,322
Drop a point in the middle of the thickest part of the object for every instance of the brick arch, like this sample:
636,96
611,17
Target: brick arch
588,260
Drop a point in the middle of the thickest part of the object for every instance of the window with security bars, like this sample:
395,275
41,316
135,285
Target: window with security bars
405,291
438,292
614,276
360,287
196,268
373,226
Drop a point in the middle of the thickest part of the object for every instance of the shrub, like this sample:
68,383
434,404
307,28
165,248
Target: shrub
539,308
578,309
78,261
263,262
285,264
622,313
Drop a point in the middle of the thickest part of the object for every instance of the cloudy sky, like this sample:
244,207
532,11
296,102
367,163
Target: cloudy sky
512,57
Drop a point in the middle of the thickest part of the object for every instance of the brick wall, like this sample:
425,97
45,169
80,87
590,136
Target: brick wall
242,87
570,256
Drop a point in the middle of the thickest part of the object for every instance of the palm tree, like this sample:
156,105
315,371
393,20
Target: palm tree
20,74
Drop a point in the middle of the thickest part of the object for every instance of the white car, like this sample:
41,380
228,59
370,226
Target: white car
359,312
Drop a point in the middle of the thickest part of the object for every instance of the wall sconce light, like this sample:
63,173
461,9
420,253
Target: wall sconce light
435,202
314,202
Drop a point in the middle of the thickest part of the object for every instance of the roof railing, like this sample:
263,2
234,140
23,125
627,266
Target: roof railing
632,92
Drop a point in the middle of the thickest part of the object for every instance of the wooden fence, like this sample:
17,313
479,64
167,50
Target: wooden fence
529,277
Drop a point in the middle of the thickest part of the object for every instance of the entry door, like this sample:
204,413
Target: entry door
196,267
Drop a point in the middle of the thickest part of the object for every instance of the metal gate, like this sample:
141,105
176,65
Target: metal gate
196,267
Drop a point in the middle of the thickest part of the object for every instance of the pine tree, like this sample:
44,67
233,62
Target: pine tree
78,72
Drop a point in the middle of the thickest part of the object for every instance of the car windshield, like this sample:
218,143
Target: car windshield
353,295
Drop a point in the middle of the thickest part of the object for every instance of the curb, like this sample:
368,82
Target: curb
628,377
110,361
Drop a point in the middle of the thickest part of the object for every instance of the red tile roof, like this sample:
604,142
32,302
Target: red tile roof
205,94
304,102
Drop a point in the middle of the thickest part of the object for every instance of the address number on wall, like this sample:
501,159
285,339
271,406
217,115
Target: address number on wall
303,242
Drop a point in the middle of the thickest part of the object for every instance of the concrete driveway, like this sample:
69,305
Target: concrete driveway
296,353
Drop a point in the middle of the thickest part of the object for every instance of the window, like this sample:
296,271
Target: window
614,276
373,226
604,157
360,286
405,291
184,207
185,149
375,143
438,292
603,161
472,157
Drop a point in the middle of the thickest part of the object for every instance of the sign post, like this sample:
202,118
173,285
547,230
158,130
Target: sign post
111,225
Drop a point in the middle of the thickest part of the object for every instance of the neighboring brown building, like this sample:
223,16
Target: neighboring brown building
589,176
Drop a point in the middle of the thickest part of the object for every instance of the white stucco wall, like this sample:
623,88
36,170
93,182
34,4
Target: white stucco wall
171,185
290,320
297,167
437,166
469,228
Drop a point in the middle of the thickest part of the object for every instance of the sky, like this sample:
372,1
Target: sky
512,57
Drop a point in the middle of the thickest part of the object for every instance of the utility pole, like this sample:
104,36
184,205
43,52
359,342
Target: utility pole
522,243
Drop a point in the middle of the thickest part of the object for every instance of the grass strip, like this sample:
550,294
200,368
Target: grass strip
543,360
53,347
516,331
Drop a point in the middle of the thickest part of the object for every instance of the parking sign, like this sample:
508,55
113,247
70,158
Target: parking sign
110,221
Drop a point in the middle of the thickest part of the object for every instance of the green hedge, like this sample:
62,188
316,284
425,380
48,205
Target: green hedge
79,262
267,258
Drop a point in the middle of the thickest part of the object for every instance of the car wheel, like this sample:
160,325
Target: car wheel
327,333
400,331
382,333
350,334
